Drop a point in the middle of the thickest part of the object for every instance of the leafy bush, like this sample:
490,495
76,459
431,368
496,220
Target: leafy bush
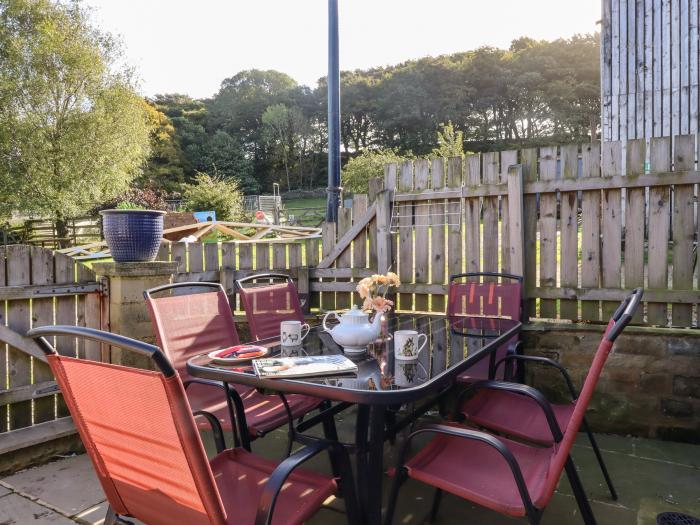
368,165
136,198
222,195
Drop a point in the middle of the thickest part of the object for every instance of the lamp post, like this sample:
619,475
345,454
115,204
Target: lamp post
333,114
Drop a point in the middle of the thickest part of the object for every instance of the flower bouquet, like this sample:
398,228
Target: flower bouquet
373,291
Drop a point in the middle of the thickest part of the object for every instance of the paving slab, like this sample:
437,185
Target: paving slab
16,510
69,484
4,491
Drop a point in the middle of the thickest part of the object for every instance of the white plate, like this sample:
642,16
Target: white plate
236,360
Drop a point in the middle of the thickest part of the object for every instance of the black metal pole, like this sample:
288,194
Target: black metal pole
333,114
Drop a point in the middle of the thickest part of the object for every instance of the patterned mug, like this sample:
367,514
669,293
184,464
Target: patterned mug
407,344
291,332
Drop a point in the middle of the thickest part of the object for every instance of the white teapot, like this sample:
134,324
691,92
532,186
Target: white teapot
355,331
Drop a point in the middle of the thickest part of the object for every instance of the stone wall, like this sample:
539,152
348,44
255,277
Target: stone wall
650,385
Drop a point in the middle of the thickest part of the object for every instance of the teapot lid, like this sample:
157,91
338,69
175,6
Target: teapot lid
354,315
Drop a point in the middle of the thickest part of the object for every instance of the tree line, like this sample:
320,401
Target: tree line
263,127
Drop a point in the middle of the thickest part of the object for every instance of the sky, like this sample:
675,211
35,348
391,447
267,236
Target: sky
186,46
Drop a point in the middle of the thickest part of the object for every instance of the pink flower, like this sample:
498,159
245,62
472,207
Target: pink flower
380,304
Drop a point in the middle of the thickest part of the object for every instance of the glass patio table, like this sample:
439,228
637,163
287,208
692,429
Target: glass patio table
381,384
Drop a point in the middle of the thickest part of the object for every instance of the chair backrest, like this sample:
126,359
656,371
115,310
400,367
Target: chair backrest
621,318
191,324
138,429
485,293
268,299
477,294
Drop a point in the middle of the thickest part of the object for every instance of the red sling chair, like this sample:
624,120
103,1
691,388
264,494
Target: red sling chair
268,303
501,474
139,432
500,297
512,414
196,323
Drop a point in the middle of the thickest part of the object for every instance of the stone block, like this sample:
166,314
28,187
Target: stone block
135,269
689,346
640,345
660,384
684,386
676,408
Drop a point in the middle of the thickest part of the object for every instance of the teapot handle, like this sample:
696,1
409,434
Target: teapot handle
326,317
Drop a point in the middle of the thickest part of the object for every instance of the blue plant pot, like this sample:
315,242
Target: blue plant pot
133,235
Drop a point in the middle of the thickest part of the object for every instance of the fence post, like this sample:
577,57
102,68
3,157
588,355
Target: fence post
515,220
384,255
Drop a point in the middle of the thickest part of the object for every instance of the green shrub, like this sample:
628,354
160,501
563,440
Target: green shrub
368,165
221,195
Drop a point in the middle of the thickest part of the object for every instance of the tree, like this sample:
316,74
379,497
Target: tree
73,132
165,167
215,193
450,142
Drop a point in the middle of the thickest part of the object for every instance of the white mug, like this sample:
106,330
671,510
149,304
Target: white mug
291,332
407,344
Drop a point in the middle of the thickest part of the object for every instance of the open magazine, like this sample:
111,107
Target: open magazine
308,366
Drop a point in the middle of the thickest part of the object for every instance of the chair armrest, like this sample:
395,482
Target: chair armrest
526,391
217,431
473,435
544,361
273,486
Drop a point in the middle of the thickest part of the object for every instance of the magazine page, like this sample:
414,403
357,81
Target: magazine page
286,367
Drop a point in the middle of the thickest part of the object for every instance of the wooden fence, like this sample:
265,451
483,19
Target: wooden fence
39,287
582,231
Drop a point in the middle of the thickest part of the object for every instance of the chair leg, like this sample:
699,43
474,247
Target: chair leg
579,493
111,517
599,457
437,498
394,496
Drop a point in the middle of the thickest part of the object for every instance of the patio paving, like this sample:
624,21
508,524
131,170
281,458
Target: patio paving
651,477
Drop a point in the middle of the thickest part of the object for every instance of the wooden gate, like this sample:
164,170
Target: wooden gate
40,287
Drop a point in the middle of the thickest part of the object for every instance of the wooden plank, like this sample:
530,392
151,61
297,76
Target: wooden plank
37,434
659,222
675,67
64,268
590,231
528,161
641,68
605,73
163,252
472,216
375,186
611,249
343,244
683,229
179,255
328,236
438,249
455,238
490,241
312,249
657,129
615,98
211,256
694,62
568,267
42,315
44,391
622,69
360,205
245,262
406,232
19,320
279,257
343,301
262,256
422,234
548,231
632,64
390,180
515,216
683,62
385,239
635,220
195,260
666,66
89,315
508,159
228,264
4,380
648,68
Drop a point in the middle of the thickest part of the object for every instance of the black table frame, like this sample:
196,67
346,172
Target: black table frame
371,415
